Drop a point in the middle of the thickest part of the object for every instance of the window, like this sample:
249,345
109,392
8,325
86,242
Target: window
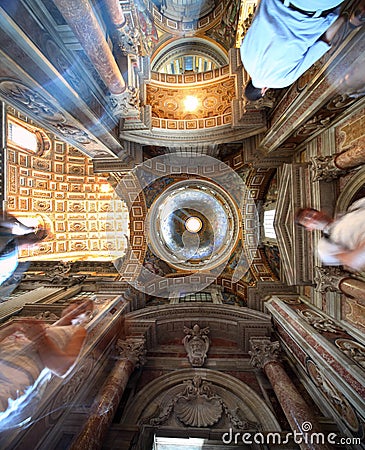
269,224
22,137
165,443
27,137
197,297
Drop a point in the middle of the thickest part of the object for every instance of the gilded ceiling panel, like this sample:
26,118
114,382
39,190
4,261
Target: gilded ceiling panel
168,102
58,188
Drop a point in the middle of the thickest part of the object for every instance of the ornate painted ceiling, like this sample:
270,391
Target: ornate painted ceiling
109,81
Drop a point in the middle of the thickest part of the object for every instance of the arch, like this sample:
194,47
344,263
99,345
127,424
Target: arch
153,395
193,46
356,183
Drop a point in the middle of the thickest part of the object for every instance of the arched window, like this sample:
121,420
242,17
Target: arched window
27,137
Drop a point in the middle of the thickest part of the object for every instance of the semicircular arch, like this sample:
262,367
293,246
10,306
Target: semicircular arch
150,400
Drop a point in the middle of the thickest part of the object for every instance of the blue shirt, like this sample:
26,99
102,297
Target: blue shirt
8,261
281,43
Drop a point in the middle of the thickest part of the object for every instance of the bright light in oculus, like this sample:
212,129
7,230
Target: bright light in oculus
193,224
191,103
105,188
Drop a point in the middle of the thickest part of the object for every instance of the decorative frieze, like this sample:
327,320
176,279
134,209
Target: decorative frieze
319,321
353,350
333,395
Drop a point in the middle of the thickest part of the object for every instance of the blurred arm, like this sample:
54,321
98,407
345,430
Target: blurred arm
53,357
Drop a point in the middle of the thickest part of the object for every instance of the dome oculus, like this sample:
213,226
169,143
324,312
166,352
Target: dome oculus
193,224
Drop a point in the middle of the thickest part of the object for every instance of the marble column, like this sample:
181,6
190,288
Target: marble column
352,157
328,168
334,279
266,355
3,152
354,288
83,22
115,13
131,355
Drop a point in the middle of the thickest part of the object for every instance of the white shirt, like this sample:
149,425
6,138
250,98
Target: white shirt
281,43
346,233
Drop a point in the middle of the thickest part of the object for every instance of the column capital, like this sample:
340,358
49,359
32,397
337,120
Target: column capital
324,168
132,349
328,279
263,351
127,39
126,104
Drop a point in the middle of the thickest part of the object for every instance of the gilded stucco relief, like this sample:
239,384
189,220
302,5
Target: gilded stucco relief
59,189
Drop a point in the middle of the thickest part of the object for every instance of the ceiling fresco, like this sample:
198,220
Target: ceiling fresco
225,248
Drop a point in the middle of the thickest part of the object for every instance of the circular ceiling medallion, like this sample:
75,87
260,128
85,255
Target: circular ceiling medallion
193,225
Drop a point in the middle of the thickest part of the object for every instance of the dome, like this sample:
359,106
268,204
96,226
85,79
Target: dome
193,225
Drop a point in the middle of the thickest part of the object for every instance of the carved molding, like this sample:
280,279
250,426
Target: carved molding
333,395
43,109
319,321
353,350
198,405
47,315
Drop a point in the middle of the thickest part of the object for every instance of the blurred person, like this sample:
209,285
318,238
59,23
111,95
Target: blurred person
30,353
343,241
287,37
14,236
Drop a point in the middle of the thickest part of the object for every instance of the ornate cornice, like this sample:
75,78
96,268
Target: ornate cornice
318,99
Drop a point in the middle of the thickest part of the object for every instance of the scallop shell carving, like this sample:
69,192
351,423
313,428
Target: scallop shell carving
198,412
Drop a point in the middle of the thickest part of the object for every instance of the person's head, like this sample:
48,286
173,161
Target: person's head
312,219
253,93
